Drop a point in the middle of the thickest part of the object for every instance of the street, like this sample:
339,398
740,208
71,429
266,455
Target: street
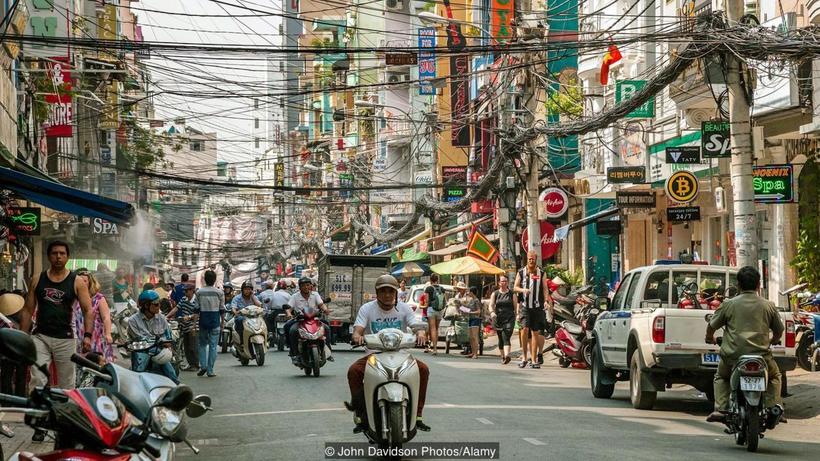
277,413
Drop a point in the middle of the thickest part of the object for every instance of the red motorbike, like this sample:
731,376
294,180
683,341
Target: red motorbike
312,336
573,344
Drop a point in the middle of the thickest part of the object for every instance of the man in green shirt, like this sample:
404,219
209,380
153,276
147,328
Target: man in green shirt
746,320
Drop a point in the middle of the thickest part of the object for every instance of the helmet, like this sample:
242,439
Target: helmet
387,280
148,296
227,285
281,285
305,280
164,356
247,284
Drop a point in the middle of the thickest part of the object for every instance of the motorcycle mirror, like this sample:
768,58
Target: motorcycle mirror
17,347
601,303
198,406
178,398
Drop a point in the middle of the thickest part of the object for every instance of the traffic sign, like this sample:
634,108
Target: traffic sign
682,186
773,184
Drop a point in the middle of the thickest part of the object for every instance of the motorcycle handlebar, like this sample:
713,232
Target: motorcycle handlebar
14,400
84,362
153,451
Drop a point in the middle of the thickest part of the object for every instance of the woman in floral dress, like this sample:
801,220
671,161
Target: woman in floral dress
101,340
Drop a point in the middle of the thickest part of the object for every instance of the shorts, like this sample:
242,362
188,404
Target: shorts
432,313
474,323
534,319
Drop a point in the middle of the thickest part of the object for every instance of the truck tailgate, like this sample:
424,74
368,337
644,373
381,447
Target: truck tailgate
686,330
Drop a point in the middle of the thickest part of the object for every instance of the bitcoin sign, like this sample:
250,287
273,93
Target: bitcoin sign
682,186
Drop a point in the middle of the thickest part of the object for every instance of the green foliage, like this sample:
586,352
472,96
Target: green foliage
144,148
807,260
567,101
575,279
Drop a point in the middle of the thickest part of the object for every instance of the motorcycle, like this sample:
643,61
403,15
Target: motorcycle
253,344
119,325
574,346
226,336
391,387
281,336
747,418
808,333
93,423
311,341
153,347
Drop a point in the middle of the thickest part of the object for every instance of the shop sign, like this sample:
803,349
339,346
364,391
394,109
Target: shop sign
683,154
682,186
60,110
502,15
635,199
548,247
101,226
773,184
401,59
427,60
24,220
608,227
346,183
626,175
279,174
625,89
683,214
459,100
451,175
555,202
715,140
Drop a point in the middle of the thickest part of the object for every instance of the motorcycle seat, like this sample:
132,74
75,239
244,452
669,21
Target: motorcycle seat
572,328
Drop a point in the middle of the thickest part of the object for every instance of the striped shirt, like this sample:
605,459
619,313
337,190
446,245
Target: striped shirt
210,304
535,298
185,308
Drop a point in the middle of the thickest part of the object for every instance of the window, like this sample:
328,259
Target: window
256,123
631,301
620,295
196,146
657,286
256,142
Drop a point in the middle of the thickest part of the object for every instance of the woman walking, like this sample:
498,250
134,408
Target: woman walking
471,306
503,304
101,340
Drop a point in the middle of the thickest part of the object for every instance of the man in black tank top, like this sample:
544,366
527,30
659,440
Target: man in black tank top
50,300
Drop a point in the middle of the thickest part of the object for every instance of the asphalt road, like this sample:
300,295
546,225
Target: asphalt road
276,413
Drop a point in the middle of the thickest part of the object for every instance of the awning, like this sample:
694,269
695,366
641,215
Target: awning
466,265
25,168
562,232
408,255
63,198
420,236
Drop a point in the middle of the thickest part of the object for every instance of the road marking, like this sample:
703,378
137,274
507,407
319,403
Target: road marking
279,412
484,421
535,442
205,442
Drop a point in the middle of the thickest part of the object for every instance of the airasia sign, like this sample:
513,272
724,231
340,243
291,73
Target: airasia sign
548,247
555,202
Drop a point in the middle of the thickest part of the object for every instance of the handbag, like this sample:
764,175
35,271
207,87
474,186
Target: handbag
451,311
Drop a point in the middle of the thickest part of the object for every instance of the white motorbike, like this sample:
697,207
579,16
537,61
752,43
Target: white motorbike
391,387
254,341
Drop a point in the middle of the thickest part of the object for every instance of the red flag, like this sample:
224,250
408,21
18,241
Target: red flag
612,56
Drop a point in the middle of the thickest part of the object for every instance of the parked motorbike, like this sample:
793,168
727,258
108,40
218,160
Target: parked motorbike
748,419
391,387
93,423
311,345
574,347
119,325
253,343
808,332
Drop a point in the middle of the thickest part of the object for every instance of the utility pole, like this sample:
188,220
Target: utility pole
533,225
745,218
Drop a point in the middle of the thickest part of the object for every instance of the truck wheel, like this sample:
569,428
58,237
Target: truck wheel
600,390
641,399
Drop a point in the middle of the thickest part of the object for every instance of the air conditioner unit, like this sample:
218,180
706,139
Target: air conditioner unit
394,4
396,77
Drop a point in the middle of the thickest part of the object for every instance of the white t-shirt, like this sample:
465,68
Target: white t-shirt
374,319
299,303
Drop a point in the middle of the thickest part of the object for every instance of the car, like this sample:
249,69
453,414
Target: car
414,300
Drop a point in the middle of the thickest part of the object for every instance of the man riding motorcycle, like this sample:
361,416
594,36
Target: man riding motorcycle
148,324
746,320
244,299
303,298
385,312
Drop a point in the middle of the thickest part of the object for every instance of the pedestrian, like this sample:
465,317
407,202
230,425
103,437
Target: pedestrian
210,306
434,303
12,374
179,290
188,328
106,278
120,287
403,291
535,302
49,306
503,305
101,340
470,306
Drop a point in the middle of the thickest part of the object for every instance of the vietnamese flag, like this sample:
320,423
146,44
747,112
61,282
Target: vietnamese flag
612,56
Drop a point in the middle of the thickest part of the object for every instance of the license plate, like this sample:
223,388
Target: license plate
711,358
752,383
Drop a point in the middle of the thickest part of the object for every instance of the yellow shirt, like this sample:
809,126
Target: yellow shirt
746,320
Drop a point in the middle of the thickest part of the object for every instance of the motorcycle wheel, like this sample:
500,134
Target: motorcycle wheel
244,362
395,417
225,344
586,353
308,371
752,428
280,343
803,351
317,361
259,351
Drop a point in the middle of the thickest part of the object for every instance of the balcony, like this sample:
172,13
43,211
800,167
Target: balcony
813,7
589,63
397,133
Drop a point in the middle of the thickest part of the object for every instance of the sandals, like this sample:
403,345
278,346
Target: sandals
523,364
506,360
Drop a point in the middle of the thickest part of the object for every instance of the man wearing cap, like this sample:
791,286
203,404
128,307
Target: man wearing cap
301,300
384,312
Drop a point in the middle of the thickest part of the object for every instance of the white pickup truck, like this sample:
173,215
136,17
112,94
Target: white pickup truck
654,328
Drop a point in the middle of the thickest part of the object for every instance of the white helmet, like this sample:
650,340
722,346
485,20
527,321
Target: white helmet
164,356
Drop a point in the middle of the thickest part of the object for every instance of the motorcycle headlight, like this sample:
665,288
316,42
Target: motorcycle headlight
165,421
390,339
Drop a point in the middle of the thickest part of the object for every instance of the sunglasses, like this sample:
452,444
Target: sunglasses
155,303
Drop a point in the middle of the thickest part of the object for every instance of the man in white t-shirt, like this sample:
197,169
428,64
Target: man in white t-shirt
301,300
384,312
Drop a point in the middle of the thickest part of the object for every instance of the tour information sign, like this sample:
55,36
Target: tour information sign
773,184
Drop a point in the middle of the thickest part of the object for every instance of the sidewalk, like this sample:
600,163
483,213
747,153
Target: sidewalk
22,437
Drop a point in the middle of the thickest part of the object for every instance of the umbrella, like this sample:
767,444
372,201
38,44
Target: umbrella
466,265
410,269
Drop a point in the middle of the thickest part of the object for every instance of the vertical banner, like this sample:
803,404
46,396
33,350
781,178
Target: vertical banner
107,29
460,100
60,116
427,59
502,14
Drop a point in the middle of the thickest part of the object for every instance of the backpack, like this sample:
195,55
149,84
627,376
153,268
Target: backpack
436,301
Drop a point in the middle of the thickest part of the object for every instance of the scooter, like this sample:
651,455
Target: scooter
154,348
574,347
391,388
311,341
93,423
225,338
253,344
808,333
119,325
748,419
281,335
